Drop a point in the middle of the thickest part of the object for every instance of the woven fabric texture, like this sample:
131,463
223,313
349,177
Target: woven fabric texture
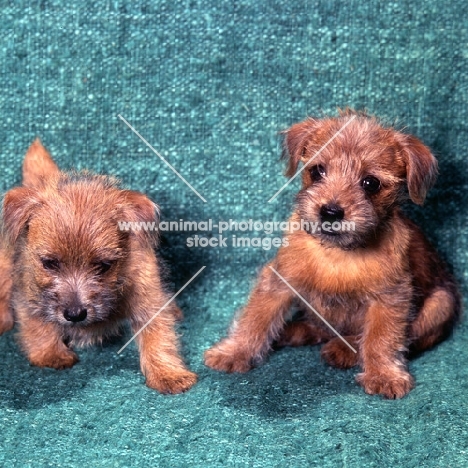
210,84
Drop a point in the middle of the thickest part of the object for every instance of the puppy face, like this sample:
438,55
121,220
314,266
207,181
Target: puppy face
357,172
74,257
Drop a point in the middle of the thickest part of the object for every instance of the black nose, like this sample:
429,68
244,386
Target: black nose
331,213
75,314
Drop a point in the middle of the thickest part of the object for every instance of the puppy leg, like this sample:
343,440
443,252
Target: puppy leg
253,332
301,334
382,346
160,360
338,354
435,320
6,315
43,344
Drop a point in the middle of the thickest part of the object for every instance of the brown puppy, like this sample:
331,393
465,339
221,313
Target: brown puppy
77,277
380,285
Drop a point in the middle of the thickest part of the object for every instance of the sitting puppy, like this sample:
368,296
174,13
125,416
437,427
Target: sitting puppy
381,286
77,276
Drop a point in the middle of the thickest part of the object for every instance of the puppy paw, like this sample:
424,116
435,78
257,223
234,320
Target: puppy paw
171,381
227,356
392,385
337,354
6,322
62,359
300,334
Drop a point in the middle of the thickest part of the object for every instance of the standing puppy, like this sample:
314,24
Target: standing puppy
359,262
77,277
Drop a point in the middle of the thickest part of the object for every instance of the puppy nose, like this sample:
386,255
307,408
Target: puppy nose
75,314
331,213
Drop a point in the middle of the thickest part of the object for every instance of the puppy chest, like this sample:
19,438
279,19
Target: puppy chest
337,271
345,312
343,273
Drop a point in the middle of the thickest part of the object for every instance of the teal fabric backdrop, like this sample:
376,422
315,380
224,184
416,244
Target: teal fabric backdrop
210,85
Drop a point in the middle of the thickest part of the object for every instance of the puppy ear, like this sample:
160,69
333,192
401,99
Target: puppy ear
421,167
38,165
18,206
144,216
295,143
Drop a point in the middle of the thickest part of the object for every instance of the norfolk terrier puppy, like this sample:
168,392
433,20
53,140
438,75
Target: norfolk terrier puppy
380,285
76,277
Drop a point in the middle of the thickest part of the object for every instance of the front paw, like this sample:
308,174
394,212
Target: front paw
228,356
62,359
171,381
394,384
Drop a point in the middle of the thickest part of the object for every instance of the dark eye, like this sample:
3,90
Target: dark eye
50,263
317,172
370,184
103,267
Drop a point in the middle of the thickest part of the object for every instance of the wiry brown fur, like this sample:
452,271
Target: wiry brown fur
6,317
68,254
381,286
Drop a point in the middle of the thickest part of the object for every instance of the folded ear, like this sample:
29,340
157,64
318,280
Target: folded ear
18,206
143,215
295,143
38,165
421,167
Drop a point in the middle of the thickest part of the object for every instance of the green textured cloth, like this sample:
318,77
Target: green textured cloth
210,85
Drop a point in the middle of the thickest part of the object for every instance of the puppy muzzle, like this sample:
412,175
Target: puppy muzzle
75,311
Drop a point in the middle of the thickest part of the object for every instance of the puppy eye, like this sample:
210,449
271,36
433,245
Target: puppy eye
370,184
50,264
317,172
103,267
